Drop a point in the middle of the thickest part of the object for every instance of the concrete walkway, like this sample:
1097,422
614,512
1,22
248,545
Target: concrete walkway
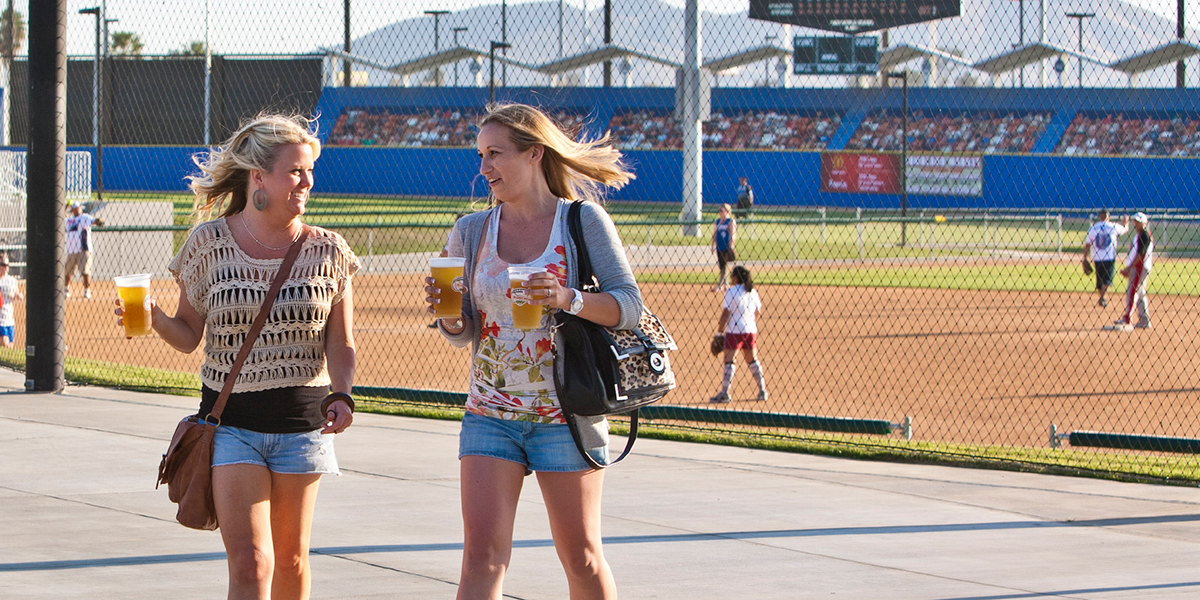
82,520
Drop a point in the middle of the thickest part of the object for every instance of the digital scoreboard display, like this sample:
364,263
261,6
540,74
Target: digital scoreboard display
852,16
835,55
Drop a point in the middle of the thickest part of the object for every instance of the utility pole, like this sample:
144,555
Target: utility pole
607,41
347,67
1180,66
1079,17
456,31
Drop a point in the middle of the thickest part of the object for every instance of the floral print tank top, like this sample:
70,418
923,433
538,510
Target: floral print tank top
512,374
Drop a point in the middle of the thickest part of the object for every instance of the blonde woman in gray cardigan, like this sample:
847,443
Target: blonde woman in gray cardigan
514,423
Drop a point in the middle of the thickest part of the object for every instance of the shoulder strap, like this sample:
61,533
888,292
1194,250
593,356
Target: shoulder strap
256,327
595,464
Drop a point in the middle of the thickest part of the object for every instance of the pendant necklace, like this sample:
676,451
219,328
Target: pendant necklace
274,248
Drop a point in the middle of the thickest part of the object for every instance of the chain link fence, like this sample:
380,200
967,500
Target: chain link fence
922,193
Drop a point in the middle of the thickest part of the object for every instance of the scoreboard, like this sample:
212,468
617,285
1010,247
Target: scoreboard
835,55
852,16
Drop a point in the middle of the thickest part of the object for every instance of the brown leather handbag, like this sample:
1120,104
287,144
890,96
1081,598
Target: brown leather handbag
186,468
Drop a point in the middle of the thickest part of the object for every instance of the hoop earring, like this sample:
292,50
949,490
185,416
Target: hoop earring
259,198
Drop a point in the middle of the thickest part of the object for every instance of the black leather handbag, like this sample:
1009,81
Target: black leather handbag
603,371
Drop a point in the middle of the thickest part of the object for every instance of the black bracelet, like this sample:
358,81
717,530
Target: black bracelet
336,396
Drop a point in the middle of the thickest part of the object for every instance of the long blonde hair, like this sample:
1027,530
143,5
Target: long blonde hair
575,170
225,171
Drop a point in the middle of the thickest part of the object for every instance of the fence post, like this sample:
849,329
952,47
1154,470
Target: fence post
1047,224
1060,236
795,226
858,226
986,240
921,230
822,224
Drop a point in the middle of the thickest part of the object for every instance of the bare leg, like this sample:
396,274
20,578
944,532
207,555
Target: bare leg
573,504
243,499
490,489
293,499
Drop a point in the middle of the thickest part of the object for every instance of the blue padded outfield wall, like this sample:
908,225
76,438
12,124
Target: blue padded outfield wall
1034,180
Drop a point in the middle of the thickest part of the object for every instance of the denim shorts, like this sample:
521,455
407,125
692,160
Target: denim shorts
289,453
8,331
539,446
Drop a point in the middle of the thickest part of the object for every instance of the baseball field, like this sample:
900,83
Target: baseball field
972,366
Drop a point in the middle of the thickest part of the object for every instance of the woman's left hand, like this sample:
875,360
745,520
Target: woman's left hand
545,289
338,417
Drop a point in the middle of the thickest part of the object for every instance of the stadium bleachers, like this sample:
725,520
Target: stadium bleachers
425,129
745,130
1111,134
967,132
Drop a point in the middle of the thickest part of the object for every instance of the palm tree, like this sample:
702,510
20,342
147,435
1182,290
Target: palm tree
9,47
126,43
195,48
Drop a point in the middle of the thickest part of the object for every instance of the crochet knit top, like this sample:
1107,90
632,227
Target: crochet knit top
227,287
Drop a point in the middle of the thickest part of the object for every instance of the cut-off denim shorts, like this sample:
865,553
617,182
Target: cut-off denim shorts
539,446
287,453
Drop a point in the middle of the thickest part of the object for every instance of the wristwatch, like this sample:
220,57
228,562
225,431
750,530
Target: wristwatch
576,303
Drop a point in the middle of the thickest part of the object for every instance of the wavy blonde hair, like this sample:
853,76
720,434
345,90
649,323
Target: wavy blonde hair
220,187
575,170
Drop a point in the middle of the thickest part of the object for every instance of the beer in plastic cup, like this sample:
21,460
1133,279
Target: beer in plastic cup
134,291
448,278
525,315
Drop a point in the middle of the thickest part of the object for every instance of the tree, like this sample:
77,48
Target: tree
9,48
195,48
126,43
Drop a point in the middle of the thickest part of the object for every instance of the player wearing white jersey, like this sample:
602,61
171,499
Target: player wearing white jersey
1138,264
1101,246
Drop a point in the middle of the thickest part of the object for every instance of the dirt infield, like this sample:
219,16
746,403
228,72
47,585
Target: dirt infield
976,367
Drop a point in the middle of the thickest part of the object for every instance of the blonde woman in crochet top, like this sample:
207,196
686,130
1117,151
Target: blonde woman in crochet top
275,439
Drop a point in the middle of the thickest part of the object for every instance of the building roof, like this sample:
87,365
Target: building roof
1156,57
1029,54
745,57
902,53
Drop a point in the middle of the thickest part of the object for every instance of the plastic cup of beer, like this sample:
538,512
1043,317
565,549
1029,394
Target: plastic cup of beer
447,274
134,291
525,315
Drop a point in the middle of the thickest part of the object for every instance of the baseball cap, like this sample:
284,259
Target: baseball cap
1140,217
74,205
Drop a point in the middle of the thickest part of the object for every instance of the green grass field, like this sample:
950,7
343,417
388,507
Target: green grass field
390,225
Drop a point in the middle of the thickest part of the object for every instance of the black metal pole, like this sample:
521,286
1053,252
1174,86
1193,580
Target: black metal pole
45,320
607,41
347,67
1180,66
904,164
504,39
492,73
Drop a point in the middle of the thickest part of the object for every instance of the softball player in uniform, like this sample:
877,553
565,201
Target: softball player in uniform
739,324
1138,263
1101,245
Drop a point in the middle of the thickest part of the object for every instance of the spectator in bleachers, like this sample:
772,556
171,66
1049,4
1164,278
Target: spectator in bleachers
1131,135
984,132
356,127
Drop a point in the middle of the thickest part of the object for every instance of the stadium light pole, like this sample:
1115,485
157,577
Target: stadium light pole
1079,17
99,14
437,15
347,66
492,68
1180,66
456,31
903,76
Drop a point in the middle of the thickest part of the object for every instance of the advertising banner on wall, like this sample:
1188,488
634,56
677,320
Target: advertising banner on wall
861,173
856,173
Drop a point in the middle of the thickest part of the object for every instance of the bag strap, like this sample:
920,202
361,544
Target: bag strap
587,277
256,327
633,429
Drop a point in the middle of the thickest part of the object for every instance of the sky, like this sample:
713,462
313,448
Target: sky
283,26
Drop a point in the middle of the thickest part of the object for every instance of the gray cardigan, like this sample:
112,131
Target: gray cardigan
608,261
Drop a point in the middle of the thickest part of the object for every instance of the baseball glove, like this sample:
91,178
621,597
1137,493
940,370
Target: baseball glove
1087,268
717,346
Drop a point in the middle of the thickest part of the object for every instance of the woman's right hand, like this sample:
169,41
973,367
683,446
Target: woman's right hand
155,312
430,295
